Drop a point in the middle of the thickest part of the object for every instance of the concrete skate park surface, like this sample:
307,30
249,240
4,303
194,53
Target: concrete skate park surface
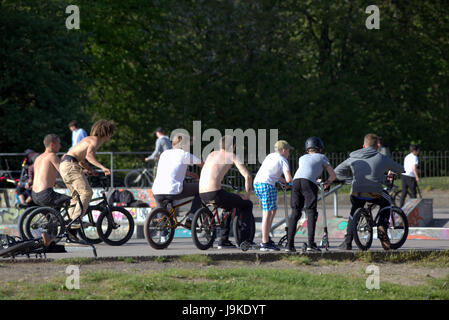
183,244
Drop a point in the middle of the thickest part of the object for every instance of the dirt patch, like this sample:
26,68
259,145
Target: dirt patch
399,273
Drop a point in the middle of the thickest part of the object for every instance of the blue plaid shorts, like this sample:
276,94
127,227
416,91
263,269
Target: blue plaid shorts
267,195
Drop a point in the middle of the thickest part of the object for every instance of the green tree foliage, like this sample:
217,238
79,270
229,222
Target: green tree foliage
303,67
42,86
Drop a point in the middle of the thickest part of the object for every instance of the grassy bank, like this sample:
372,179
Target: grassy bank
215,283
294,277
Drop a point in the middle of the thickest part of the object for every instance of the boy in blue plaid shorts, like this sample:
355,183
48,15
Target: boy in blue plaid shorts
274,165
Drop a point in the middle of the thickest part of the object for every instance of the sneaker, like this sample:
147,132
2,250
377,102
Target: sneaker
383,237
290,249
225,245
47,239
313,248
268,247
345,246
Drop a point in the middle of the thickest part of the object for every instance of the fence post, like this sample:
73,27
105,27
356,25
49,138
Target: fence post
111,154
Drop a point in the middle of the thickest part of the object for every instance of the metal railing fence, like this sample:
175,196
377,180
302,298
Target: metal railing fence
431,163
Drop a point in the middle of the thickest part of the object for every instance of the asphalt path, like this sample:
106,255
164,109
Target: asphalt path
184,246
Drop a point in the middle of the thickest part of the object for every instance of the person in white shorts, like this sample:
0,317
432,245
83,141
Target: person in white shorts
271,170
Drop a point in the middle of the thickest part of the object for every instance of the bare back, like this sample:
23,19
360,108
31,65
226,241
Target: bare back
215,168
81,149
46,170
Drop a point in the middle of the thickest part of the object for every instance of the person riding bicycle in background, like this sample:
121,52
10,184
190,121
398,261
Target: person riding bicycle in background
410,177
162,143
172,170
73,162
366,168
305,191
271,170
216,166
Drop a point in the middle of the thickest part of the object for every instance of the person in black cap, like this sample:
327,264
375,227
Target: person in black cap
162,143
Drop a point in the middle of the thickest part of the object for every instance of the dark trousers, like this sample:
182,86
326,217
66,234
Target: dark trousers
188,190
229,201
304,195
407,182
384,204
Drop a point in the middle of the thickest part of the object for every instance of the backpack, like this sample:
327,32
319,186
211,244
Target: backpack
124,198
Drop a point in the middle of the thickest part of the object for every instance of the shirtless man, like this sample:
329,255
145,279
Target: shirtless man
74,161
215,168
46,170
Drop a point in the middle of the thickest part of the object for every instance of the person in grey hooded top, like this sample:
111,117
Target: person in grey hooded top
366,168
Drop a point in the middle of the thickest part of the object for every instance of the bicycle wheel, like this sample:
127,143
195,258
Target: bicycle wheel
44,219
115,227
88,232
204,229
22,219
397,197
135,179
237,229
159,228
362,229
17,249
398,228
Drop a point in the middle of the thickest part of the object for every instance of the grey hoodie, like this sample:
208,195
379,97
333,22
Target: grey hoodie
368,168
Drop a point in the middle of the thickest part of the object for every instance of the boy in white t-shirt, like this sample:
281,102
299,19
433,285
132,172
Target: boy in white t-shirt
172,170
274,165
410,178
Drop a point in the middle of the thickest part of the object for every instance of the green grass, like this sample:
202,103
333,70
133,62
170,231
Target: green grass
229,284
74,261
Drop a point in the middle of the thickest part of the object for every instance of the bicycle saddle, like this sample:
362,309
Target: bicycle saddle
167,202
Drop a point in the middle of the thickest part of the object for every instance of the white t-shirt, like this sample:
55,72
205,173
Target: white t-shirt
271,169
78,135
409,162
171,171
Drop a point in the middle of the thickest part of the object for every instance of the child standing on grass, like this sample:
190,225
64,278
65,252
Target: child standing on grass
305,191
274,165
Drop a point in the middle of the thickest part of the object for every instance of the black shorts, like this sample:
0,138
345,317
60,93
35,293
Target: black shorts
49,198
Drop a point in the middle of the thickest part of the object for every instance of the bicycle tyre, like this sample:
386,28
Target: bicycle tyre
22,220
110,238
361,223
397,197
152,224
400,213
135,179
17,248
33,229
203,222
85,234
236,229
